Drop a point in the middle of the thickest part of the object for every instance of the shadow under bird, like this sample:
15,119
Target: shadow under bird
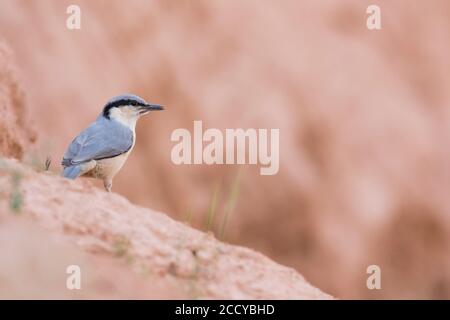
101,149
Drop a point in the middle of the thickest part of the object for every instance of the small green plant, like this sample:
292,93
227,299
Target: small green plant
16,198
188,216
231,203
212,208
122,246
48,163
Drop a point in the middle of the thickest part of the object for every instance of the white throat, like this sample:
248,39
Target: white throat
125,115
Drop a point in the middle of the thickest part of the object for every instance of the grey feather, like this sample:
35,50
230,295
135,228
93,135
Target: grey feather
103,139
126,96
72,172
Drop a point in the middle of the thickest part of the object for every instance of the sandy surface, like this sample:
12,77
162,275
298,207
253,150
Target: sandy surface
124,251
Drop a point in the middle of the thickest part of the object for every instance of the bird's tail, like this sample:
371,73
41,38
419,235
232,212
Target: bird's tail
72,172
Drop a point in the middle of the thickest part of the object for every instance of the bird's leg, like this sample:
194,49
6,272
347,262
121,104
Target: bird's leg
108,184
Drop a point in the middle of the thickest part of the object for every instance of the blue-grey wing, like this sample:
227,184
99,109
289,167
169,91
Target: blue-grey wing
102,139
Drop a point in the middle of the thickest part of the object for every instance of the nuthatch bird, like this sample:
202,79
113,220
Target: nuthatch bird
101,149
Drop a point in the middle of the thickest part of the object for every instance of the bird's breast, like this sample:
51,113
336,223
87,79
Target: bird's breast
108,168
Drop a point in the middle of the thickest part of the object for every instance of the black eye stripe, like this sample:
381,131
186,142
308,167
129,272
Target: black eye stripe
119,103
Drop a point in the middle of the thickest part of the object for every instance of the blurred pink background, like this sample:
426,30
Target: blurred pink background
364,122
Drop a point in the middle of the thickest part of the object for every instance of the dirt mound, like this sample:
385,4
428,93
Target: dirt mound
170,258
34,265
15,129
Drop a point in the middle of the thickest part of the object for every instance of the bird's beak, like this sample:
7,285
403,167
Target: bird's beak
150,107
153,107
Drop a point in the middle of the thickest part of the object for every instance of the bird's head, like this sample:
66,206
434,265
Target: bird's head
127,108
